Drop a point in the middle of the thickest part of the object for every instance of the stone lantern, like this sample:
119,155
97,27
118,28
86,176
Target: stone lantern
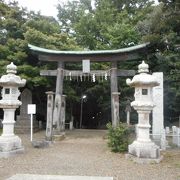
10,143
143,148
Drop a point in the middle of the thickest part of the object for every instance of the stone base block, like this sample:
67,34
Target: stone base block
157,141
41,144
58,132
143,160
58,137
148,150
10,145
11,153
55,177
24,126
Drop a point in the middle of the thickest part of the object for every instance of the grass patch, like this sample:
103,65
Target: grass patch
177,165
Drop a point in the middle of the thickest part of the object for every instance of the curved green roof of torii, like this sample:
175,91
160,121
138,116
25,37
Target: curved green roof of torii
96,55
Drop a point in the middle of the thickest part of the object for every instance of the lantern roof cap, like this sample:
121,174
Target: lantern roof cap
143,68
11,68
11,79
143,78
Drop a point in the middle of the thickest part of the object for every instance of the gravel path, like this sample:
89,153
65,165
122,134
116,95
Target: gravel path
84,152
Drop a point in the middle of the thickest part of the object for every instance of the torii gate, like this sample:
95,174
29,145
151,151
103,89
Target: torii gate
113,56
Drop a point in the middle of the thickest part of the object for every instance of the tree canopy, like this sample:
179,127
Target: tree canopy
162,28
93,25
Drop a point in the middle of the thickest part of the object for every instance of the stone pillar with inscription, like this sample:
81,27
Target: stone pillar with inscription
143,150
49,123
128,111
158,111
63,113
56,115
23,119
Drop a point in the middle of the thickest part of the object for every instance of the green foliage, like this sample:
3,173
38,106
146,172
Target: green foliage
18,27
106,25
109,25
161,27
118,137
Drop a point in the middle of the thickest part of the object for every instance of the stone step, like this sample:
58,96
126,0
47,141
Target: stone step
26,123
25,130
23,127
56,177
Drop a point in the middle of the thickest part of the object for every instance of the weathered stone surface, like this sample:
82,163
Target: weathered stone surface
56,177
63,113
176,135
144,150
114,99
26,98
143,147
23,125
167,130
128,111
158,110
115,109
59,115
56,114
11,153
40,144
10,144
144,160
59,137
49,123
163,143
71,125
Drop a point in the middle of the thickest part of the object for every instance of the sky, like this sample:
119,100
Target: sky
46,7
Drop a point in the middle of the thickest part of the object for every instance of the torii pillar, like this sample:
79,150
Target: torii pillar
114,95
58,100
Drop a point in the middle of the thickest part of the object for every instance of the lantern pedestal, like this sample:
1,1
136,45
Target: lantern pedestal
144,150
10,144
143,147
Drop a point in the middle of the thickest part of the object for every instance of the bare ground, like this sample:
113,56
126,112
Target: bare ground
85,152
